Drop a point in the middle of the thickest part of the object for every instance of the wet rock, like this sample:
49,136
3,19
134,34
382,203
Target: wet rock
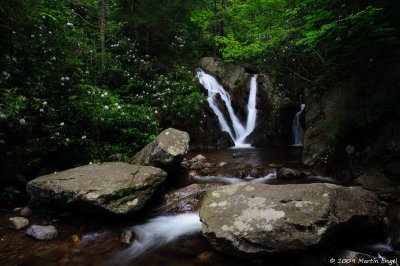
40,232
206,171
256,172
126,237
112,187
18,222
197,166
185,199
118,157
237,155
258,219
374,181
200,158
222,164
165,152
26,212
286,173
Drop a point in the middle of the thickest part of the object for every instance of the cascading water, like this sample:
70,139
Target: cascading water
239,132
158,232
297,128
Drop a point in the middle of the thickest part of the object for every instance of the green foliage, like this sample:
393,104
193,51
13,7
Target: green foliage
59,108
7,194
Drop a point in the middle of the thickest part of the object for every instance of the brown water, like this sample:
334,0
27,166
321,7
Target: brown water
86,240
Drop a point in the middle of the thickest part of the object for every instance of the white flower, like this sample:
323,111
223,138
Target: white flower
41,110
57,133
62,83
70,24
106,107
50,32
67,139
43,17
90,163
44,103
62,124
106,93
66,78
83,137
54,58
32,36
22,121
119,107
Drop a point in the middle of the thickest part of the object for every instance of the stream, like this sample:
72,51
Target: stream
166,239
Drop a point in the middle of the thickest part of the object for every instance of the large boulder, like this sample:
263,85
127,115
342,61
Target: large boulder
258,219
118,188
166,151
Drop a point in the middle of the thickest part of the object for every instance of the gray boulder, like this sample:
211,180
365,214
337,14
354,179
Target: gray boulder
43,233
166,151
258,219
118,188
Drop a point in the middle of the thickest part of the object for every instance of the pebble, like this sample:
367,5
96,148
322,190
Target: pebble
222,164
18,222
26,212
41,232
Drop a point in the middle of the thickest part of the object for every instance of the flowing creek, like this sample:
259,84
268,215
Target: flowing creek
161,239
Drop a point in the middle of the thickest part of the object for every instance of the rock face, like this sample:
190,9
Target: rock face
165,152
40,232
336,139
258,219
118,188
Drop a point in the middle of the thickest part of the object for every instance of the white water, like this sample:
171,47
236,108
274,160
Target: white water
297,128
235,180
157,232
238,132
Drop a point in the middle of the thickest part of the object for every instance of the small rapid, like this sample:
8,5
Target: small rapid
156,233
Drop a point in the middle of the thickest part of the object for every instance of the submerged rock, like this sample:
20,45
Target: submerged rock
40,232
285,172
166,152
119,188
18,222
259,219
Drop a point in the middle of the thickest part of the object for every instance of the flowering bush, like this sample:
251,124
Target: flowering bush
59,108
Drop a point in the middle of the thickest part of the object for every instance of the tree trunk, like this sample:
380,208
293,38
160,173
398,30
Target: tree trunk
103,33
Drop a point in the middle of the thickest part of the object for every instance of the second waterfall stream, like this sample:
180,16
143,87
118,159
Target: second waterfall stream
238,131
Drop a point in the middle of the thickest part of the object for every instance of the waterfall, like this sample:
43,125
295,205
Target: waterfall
297,128
239,132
